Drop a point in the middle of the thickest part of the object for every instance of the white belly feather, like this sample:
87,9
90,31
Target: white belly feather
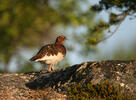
52,59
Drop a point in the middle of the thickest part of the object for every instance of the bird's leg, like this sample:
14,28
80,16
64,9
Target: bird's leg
50,67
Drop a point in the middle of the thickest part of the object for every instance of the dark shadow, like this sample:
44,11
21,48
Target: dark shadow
50,79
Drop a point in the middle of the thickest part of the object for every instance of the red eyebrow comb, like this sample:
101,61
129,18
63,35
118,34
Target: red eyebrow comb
62,36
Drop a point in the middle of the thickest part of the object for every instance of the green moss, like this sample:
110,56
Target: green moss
103,91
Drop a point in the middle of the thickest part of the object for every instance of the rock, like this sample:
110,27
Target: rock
44,85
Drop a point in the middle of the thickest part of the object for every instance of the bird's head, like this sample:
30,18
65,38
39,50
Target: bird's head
60,39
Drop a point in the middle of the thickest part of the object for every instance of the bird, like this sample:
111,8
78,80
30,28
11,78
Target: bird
51,54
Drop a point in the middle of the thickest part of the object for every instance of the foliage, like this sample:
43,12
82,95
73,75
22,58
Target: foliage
121,5
1,71
18,22
103,91
118,10
123,9
26,23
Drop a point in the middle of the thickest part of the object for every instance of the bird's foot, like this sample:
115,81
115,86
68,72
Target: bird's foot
50,69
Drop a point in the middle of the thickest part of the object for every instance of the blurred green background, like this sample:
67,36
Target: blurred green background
26,25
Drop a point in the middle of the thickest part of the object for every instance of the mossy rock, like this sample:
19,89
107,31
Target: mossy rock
103,91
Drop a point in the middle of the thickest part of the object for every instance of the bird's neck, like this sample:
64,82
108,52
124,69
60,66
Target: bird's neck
59,42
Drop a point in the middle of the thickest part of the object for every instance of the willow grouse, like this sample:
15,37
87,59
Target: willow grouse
51,54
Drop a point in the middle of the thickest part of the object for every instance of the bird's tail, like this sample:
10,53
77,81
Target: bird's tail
33,58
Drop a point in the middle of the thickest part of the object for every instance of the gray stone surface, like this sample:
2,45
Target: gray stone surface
44,85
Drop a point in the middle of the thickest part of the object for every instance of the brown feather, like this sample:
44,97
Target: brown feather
50,49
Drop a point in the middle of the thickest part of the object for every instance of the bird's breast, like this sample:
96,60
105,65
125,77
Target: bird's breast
52,59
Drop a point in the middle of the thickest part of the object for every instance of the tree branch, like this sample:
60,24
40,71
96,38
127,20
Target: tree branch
112,33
